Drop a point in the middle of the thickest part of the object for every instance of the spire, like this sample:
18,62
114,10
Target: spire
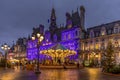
82,8
13,42
53,25
77,9
72,11
82,17
29,37
53,16
12,48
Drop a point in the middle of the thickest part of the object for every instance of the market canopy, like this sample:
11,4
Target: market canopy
58,46
58,50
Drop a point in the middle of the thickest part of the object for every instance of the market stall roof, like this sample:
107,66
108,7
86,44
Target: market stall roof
58,46
58,50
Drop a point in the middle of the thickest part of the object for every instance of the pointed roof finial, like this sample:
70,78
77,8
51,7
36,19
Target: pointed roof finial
77,9
82,8
29,37
13,42
60,25
63,24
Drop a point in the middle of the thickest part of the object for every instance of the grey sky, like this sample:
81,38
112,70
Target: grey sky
18,17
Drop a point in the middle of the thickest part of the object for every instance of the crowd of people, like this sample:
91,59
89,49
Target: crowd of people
23,66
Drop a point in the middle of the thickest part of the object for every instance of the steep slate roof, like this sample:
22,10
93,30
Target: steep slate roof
97,29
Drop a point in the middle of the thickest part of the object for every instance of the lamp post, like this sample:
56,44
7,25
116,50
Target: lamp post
39,38
5,47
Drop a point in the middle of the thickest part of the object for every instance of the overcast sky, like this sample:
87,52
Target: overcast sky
18,17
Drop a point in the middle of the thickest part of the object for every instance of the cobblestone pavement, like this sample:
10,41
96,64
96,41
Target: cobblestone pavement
57,74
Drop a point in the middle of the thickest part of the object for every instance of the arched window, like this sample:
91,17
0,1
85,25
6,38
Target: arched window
55,38
116,28
91,34
47,35
102,45
103,31
76,33
69,36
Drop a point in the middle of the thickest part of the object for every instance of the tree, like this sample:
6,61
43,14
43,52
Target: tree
108,60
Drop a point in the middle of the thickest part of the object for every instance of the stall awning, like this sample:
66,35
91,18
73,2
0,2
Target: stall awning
58,46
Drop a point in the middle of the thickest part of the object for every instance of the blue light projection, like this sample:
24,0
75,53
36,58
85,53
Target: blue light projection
70,39
32,49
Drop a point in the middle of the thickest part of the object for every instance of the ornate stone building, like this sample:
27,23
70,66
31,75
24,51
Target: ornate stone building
96,39
19,49
68,35
89,44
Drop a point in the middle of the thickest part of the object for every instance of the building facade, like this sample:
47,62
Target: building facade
68,35
89,44
94,44
19,49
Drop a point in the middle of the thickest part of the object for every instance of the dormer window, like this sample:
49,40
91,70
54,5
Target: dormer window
103,31
76,33
109,31
91,34
97,34
116,28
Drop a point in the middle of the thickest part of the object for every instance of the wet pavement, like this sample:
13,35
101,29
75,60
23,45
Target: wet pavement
57,74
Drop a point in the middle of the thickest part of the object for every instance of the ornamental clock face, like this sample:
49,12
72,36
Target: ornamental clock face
69,26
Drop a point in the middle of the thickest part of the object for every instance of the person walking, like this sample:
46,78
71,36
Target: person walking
20,65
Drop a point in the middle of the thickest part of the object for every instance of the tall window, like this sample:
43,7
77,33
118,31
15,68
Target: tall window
91,34
109,31
102,45
86,43
97,44
55,38
97,34
91,45
116,30
76,33
69,36
64,37
103,31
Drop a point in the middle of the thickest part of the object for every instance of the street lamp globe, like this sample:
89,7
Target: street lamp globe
33,37
8,47
38,35
5,45
41,38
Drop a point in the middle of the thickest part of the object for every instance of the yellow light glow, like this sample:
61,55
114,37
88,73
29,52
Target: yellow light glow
96,56
38,35
33,37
